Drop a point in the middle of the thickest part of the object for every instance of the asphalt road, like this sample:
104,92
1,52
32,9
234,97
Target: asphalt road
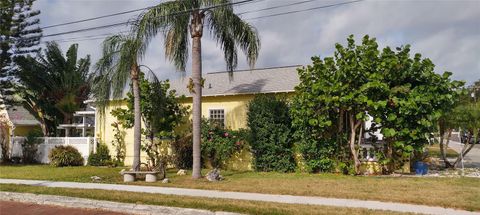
20,208
472,159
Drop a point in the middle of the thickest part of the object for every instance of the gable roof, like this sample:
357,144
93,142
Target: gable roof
20,116
264,80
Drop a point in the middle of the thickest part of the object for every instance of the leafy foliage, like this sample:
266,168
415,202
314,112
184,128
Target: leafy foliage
402,94
219,144
55,86
271,136
182,152
119,143
65,156
20,36
161,113
30,146
101,157
225,27
117,66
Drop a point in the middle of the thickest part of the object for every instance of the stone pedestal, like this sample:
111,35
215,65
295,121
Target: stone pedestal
150,178
128,177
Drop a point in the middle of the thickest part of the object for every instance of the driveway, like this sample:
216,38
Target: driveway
472,159
22,208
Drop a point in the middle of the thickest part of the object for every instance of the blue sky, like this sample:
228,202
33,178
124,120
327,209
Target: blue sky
447,32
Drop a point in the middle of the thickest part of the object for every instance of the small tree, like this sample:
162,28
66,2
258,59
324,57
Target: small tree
30,146
161,113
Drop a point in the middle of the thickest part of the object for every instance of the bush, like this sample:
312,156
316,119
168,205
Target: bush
65,156
182,152
30,146
271,137
101,158
219,144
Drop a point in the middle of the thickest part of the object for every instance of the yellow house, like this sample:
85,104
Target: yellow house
23,121
225,98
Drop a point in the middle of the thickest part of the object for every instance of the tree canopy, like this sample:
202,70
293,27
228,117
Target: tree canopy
19,36
337,95
54,85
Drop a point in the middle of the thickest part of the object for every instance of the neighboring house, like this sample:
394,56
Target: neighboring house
23,121
225,98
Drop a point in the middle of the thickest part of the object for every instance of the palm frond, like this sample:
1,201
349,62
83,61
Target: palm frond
230,32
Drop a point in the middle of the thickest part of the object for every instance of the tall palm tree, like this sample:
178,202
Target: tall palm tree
54,86
117,66
181,19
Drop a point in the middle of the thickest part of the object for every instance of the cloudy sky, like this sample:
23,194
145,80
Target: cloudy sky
447,32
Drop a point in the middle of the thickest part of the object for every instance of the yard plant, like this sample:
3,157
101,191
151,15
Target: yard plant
271,138
61,156
401,94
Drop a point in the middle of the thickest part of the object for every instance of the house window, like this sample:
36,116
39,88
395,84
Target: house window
218,116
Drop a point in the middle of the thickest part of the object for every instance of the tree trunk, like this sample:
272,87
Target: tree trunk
353,128
465,149
137,127
196,32
444,147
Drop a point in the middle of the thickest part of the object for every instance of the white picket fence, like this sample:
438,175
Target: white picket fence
84,145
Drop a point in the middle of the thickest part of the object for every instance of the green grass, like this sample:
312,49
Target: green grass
462,193
434,151
240,206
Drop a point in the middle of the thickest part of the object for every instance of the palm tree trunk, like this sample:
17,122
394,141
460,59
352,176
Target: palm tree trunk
137,121
197,104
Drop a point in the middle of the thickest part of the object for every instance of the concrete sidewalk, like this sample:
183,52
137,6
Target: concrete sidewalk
289,199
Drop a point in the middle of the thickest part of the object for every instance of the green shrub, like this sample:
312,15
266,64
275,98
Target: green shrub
65,156
30,146
219,144
182,152
101,158
271,137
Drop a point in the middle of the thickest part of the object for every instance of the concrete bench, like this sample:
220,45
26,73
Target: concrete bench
129,176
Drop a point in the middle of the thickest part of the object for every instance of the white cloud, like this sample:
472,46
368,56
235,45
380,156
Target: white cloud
447,32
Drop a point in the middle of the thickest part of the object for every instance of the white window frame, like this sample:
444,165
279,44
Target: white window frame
224,114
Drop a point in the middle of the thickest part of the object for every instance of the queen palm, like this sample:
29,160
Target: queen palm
117,66
179,20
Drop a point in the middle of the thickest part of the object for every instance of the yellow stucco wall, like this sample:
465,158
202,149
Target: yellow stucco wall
22,130
235,108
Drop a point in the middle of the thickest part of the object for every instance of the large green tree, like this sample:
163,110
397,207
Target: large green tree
403,95
118,66
333,99
19,36
185,20
54,86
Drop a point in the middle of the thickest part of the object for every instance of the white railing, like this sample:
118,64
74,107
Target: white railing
84,145
368,152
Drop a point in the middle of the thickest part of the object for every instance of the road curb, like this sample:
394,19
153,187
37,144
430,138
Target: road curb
73,202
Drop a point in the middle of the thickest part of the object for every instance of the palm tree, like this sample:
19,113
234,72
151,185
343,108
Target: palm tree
118,65
54,86
179,20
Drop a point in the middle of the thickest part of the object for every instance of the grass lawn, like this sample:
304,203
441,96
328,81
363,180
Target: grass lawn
462,193
434,151
249,207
